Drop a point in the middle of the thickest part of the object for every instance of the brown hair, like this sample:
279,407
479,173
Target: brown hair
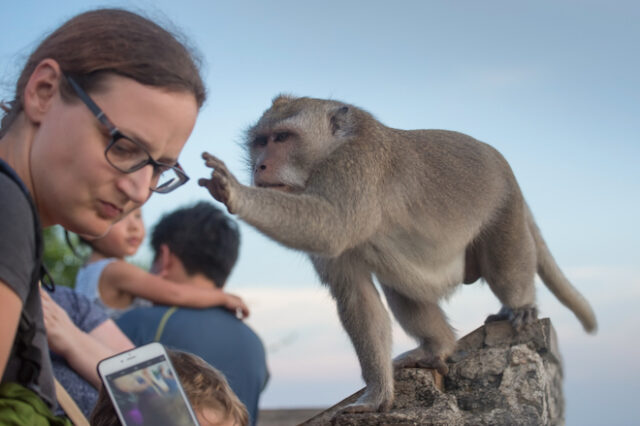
117,41
204,385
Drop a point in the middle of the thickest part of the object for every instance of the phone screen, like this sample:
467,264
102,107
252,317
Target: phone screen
149,394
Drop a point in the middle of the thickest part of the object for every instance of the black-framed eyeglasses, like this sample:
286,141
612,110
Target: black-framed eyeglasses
128,155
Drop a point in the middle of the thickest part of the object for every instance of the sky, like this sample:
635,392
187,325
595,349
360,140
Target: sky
553,85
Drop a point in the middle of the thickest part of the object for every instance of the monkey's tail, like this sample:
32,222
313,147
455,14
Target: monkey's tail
558,283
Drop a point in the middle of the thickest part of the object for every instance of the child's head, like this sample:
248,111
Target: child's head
124,237
213,401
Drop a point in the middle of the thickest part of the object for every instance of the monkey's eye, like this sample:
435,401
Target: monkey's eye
260,141
281,136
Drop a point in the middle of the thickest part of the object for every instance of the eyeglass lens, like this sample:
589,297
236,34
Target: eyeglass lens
128,156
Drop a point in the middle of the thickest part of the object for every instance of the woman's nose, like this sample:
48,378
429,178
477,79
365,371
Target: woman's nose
136,185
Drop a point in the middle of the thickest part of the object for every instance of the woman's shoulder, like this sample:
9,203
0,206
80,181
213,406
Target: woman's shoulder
14,199
18,241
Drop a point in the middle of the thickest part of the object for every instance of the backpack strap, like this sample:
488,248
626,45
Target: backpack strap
29,353
163,322
69,406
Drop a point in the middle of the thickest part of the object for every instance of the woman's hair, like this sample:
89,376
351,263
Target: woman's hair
204,385
98,42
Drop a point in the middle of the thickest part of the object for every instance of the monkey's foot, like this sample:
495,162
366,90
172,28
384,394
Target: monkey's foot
518,317
421,358
370,402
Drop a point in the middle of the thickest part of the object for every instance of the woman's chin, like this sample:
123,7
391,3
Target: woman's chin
92,232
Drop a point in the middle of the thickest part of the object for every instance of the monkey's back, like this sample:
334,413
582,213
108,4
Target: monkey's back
444,187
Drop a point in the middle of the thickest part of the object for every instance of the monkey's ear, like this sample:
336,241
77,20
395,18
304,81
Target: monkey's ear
339,121
281,100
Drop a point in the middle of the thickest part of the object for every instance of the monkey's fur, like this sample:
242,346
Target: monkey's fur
422,210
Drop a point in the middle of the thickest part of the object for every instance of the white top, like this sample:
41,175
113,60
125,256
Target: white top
87,281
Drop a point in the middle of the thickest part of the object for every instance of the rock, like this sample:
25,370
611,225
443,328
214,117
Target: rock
496,377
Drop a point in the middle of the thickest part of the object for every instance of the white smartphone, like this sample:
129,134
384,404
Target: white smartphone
145,389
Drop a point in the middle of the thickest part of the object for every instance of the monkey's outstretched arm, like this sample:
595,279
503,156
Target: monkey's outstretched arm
309,221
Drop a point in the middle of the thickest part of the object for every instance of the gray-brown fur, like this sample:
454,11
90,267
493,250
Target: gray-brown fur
422,210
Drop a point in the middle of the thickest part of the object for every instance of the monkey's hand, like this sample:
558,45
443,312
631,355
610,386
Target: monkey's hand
222,185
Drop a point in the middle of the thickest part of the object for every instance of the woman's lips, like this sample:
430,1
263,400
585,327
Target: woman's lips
108,210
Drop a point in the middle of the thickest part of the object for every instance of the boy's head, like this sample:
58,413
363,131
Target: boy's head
213,401
202,237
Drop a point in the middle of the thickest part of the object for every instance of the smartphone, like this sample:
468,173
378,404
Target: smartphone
145,389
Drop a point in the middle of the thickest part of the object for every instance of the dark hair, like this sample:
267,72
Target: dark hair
102,41
203,237
205,386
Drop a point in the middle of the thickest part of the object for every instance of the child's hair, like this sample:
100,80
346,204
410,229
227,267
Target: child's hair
95,43
205,386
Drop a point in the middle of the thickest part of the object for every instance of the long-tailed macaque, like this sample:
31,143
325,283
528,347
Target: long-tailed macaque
422,210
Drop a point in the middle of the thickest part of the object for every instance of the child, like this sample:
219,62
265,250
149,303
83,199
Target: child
213,401
119,286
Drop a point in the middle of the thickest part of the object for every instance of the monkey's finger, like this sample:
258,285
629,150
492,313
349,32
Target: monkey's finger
212,161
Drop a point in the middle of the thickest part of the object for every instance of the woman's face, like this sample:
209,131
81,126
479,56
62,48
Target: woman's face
73,183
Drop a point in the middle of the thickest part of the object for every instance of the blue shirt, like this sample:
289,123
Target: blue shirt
215,335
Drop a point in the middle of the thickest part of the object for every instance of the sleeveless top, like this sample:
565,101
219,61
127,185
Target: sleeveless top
87,280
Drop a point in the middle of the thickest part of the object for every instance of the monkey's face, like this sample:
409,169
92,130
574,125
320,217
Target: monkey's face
289,140
274,160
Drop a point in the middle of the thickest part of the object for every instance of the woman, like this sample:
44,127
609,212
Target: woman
101,112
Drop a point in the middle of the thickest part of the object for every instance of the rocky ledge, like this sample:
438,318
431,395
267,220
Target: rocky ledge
496,377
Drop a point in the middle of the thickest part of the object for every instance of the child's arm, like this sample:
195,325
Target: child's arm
131,279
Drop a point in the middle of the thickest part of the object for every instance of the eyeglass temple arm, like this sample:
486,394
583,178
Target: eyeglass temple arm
95,109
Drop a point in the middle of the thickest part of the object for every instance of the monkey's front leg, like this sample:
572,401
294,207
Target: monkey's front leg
367,322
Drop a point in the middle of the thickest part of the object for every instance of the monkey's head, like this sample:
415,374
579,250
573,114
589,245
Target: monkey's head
292,137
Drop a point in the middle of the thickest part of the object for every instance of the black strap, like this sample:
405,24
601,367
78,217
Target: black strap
28,352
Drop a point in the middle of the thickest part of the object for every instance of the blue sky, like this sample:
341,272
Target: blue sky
554,85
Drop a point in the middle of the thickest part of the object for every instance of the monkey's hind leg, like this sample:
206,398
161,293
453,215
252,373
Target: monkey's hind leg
508,264
366,320
426,322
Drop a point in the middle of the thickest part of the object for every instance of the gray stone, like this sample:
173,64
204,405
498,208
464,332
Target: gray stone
496,377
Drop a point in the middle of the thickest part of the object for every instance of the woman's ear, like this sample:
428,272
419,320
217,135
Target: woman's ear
42,87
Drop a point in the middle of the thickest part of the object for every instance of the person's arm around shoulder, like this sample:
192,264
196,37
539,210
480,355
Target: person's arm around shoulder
10,308
138,282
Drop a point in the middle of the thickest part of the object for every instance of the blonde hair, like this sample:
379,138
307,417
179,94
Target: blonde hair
205,386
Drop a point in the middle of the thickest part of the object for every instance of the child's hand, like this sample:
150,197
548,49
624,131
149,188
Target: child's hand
236,305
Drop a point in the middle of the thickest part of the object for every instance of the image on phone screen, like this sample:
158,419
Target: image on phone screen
148,394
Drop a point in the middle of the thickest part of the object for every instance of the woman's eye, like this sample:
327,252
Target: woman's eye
125,148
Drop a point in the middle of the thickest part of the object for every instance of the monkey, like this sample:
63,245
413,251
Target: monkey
422,211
